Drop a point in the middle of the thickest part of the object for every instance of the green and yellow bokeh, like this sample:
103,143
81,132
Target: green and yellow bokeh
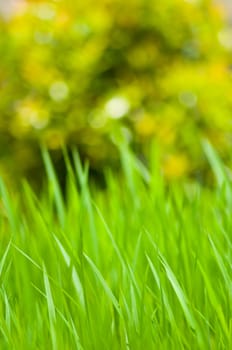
79,73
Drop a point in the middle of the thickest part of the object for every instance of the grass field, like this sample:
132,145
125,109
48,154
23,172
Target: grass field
136,265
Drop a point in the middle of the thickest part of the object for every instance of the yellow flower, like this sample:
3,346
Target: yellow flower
176,166
146,126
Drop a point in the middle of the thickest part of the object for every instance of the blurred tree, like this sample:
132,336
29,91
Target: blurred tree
77,73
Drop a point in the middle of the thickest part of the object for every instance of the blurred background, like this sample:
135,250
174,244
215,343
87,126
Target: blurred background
89,74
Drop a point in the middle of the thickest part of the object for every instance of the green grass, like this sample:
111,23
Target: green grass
135,265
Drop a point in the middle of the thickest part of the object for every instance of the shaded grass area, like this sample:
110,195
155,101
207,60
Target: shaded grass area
136,265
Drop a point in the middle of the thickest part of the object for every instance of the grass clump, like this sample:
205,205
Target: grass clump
136,265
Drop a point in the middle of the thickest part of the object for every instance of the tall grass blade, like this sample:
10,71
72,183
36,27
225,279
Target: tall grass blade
51,309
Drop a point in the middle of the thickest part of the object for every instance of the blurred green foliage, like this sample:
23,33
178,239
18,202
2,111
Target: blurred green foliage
83,72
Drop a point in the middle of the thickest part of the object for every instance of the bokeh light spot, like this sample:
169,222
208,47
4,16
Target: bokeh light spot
225,38
59,91
45,12
188,99
117,107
